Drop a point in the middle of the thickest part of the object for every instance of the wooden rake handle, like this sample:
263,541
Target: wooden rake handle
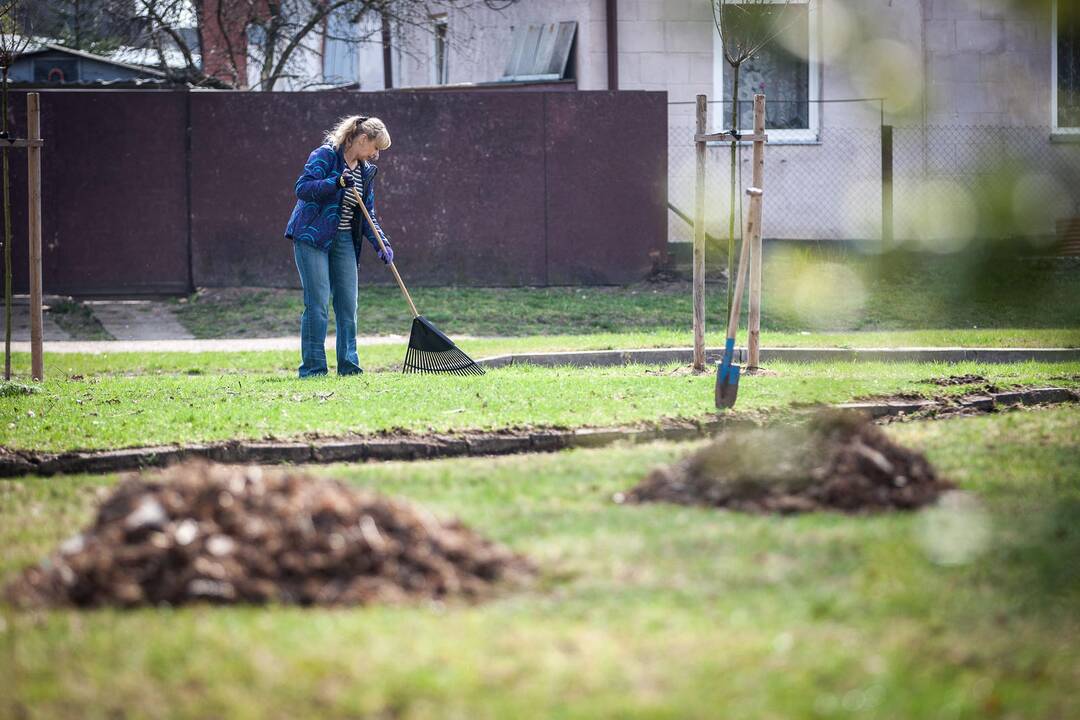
753,226
378,236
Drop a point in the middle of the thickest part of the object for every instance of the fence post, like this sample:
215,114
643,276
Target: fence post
33,155
887,185
754,319
699,239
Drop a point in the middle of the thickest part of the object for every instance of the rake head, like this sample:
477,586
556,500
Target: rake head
430,351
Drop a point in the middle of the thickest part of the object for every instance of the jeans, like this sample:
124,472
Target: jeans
325,275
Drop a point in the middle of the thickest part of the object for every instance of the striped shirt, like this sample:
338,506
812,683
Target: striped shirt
348,202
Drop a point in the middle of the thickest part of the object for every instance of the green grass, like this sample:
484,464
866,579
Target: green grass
656,611
389,356
114,411
804,289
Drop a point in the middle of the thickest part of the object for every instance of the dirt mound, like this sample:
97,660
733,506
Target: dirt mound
836,461
233,534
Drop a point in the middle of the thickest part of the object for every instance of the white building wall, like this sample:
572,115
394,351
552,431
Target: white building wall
948,69
987,65
481,41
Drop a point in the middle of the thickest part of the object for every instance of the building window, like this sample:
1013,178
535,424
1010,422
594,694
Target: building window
1066,67
542,52
442,51
341,61
787,73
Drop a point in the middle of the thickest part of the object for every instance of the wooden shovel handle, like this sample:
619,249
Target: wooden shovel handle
378,236
753,226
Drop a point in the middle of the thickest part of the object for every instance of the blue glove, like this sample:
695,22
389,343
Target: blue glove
345,180
388,256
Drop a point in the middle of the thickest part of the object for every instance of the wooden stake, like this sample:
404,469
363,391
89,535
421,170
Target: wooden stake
699,240
33,124
754,320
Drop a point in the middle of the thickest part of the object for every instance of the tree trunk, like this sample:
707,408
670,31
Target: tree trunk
7,235
78,29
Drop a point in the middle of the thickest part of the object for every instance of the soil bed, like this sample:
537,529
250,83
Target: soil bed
836,461
953,380
235,534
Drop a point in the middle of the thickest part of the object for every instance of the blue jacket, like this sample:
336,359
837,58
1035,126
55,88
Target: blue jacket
317,213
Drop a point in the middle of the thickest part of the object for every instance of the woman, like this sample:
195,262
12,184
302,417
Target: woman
326,228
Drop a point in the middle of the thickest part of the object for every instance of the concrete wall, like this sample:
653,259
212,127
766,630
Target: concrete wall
148,192
987,64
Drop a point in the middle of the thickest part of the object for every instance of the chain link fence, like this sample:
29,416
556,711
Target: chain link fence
954,182
819,185
832,183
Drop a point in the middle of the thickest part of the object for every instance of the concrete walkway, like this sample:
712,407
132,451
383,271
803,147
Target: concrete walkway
196,346
20,321
138,320
147,326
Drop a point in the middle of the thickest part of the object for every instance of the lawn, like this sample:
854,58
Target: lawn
809,289
143,406
651,611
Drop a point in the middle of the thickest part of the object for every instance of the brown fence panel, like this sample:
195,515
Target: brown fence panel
460,192
606,186
114,195
160,191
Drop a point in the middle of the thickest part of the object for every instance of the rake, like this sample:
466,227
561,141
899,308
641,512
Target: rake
430,351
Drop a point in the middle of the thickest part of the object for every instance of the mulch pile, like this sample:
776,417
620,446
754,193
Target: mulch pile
837,461
234,534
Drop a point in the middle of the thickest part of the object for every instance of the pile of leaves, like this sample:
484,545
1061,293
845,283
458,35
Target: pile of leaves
233,534
836,461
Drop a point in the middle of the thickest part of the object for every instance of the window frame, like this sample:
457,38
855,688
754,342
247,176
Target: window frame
809,135
1056,128
440,76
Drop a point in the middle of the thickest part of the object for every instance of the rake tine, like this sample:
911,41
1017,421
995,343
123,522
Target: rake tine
463,364
468,366
430,351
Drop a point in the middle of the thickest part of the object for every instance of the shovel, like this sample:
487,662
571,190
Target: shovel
727,372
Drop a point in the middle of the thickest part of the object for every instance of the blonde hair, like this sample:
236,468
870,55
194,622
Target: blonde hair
348,128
